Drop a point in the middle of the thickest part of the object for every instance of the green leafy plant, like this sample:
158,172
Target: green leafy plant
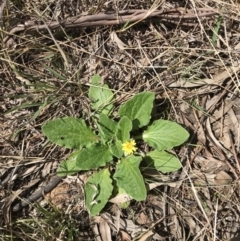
111,148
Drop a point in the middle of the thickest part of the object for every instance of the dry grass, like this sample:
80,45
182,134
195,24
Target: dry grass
191,65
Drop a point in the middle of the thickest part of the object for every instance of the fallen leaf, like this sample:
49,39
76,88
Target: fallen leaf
222,178
124,236
117,40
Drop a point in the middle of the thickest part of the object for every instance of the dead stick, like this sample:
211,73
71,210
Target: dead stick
124,16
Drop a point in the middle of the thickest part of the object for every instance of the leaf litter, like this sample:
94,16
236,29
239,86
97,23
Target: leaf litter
196,84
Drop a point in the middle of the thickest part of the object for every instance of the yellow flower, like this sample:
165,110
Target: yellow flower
129,147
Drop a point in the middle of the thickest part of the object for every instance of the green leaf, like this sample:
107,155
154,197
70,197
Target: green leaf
98,190
94,156
129,177
100,95
162,161
123,129
164,135
69,167
69,132
116,149
106,127
138,109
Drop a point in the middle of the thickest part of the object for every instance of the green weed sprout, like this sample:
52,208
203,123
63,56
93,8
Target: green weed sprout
112,150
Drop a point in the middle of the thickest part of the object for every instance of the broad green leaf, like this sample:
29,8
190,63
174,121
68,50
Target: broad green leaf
164,135
116,149
98,190
162,161
100,95
94,156
69,132
138,109
69,167
123,129
106,127
129,177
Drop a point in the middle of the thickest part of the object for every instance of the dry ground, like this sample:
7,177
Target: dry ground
189,58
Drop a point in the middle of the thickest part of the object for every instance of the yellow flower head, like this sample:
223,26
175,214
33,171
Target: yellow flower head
129,147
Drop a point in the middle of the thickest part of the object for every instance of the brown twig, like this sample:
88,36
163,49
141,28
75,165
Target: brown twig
38,194
2,6
174,15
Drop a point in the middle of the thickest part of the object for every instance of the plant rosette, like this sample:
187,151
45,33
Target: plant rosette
111,150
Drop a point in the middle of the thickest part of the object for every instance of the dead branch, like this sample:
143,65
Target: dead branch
176,15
